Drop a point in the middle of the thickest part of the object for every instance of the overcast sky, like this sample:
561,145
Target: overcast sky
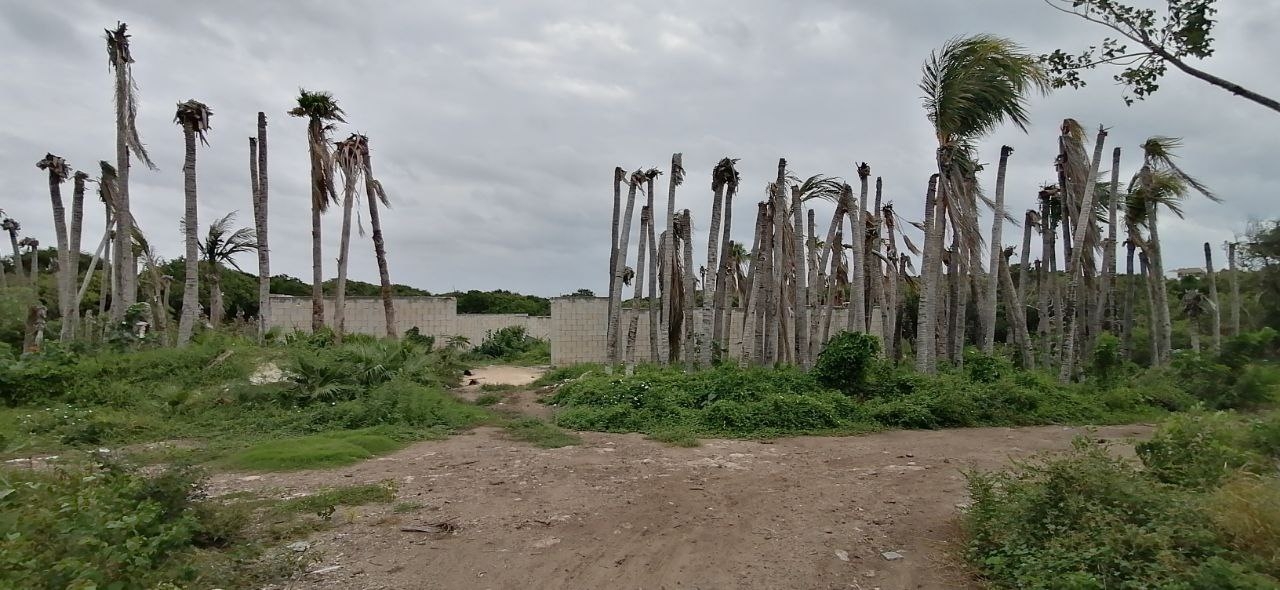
495,126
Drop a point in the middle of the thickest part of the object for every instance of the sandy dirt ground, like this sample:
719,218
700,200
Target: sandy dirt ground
620,511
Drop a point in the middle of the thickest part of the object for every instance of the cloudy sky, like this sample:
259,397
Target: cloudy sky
496,125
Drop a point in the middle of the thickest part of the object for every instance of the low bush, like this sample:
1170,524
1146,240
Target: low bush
844,362
513,344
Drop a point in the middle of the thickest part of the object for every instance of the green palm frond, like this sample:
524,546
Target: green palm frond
1158,151
725,175
973,84
318,105
222,242
818,186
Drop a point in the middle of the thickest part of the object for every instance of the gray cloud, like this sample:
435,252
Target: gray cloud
495,127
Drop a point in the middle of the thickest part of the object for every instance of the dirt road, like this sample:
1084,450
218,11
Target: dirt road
623,512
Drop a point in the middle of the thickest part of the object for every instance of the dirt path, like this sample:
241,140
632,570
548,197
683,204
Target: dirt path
620,511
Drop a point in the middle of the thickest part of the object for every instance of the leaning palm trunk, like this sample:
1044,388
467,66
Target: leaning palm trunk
1073,299
858,274
669,254
1216,316
931,270
993,277
375,194
654,346
93,264
1235,289
1013,310
17,253
258,170
619,270
191,227
828,259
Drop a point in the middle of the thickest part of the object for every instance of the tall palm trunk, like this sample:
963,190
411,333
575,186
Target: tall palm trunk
1153,322
216,306
126,263
374,194
344,251
619,268
1014,311
77,230
828,259
719,294
858,237
751,337
17,256
652,241
1216,314
876,276
1084,219
993,276
800,288
1105,310
713,273
770,245
619,176
669,253
258,169
109,264
64,276
1130,284
814,283
1235,289
315,132
641,260
686,230
191,227
1195,333
1164,325
931,270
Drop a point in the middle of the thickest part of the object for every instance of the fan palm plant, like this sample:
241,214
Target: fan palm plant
193,116
320,110
120,59
971,86
221,244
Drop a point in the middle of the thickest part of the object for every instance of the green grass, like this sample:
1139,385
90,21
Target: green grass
355,495
314,452
540,434
498,387
561,374
676,437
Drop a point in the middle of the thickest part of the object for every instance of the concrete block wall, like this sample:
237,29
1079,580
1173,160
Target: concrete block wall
579,326
433,316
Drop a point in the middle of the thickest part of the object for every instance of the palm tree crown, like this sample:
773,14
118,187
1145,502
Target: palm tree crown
973,84
56,166
194,114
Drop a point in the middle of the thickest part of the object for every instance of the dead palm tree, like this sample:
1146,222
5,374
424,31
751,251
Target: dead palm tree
320,110
615,343
1235,289
193,116
971,86
669,276
33,246
58,172
120,59
375,194
222,243
724,185
76,231
258,173
12,226
1074,297
993,277
857,225
348,157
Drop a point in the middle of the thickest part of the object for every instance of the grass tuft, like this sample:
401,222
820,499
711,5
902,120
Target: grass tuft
314,452
541,434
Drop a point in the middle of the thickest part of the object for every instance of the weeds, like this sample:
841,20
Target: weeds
540,434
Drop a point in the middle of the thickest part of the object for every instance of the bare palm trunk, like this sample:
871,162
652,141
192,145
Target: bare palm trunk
258,169
1126,338
800,288
989,306
109,265
686,228
93,264
191,227
750,348
669,254
77,230
619,268
64,276
828,258
126,267
636,298
1216,315
1014,311
719,324
344,251
1153,322
315,139
652,240
930,275
17,257
814,284
1105,310
1235,289
858,237
1074,297
619,175
876,276
216,307
770,278
1164,325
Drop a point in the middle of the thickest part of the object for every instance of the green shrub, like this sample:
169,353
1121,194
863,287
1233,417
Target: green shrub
986,368
1197,449
559,375
540,434
844,362
1107,362
511,343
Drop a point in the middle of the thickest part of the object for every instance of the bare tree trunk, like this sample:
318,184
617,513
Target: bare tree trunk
191,225
619,175
1014,311
829,258
258,169
721,296
1235,289
636,298
344,257
751,350
876,275
771,279
655,346
126,268
1216,317
707,333
814,283
373,193
216,306
619,270
17,257
931,269
1105,310
800,287
93,264
669,252
1153,322
990,305
858,237
1164,326
77,229
1126,338
1074,297
109,265
64,278
690,355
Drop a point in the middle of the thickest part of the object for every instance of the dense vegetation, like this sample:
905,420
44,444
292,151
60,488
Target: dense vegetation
1201,511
